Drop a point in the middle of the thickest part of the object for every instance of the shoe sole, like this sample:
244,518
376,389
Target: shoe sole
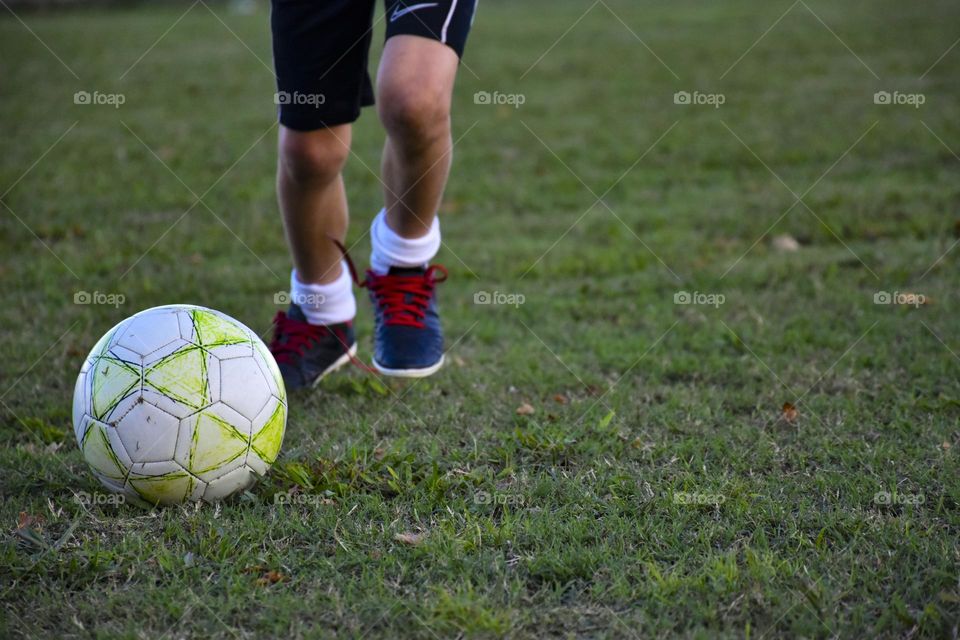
338,363
408,373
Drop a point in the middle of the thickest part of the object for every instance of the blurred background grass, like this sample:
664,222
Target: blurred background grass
657,398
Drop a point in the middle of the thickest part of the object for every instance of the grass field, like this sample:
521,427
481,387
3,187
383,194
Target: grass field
652,483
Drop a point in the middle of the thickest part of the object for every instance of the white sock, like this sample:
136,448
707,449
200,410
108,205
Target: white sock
392,250
325,303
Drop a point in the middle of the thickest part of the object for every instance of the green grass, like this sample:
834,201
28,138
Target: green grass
657,489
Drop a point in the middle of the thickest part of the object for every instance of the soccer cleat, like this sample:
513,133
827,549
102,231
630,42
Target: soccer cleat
407,340
306,352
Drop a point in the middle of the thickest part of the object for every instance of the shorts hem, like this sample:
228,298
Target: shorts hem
429,35
301,121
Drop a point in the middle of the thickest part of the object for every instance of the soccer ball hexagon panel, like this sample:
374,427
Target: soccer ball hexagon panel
179,403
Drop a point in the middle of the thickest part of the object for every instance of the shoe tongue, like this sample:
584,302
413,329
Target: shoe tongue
296,313
406,271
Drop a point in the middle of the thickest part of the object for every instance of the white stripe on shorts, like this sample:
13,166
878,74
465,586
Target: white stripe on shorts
446,23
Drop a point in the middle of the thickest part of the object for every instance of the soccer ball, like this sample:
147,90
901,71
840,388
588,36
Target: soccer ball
179,403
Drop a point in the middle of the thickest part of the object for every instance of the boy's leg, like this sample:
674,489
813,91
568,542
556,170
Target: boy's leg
414,92
320,53
415,88
312,199
315,336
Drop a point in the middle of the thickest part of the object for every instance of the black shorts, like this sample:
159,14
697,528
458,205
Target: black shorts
321,50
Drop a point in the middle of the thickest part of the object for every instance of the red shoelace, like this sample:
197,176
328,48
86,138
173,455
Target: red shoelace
403,299
291,338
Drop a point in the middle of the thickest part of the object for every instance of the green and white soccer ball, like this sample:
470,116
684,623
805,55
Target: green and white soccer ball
179,403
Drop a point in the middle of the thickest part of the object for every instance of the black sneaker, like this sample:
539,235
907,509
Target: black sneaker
307,352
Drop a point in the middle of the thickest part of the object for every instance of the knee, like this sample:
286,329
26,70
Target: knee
312,157
415,116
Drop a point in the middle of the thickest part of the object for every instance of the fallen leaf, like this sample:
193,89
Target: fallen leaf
789,412
28,529
450,206
270,577
560,398
412,539
786,242
27,521
525,409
